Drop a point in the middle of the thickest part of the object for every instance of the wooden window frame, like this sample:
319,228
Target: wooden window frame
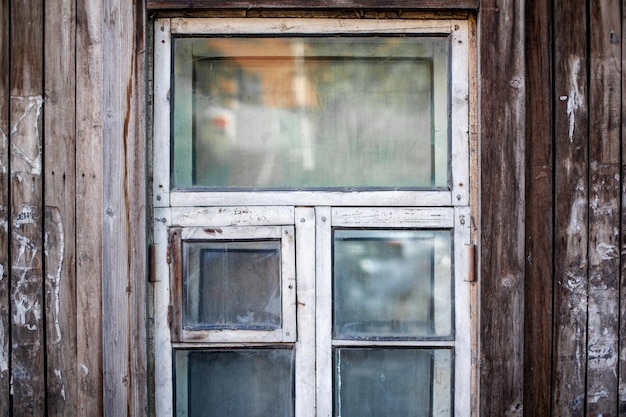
312,214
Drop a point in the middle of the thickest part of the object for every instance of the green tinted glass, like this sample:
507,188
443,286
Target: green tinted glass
310,112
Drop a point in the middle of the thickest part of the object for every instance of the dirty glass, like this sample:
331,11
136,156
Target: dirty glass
234,383
232,285
310,112
390,284
392,382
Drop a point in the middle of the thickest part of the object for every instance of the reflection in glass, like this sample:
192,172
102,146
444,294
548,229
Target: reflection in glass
391,284
232,285
392,382
310,112
234,383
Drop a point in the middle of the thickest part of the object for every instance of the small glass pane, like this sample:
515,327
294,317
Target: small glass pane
391,284
234,383
232,285
392,382
316,112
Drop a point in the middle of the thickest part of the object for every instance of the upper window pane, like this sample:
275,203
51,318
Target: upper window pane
310,112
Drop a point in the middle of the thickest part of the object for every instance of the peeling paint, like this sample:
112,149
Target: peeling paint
595,394
57,240
4,352
606,251
84,369
3,168
575,99
34,105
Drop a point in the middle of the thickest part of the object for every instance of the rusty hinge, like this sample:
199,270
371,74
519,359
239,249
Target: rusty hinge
152,275
471,263
168,255
170,313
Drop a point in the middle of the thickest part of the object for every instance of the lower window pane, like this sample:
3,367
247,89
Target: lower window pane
392,382
234,383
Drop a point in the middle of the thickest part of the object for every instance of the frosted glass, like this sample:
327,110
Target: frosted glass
391,284
232,285
392,382
290,112
234,383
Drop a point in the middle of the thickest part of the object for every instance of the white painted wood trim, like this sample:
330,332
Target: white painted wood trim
163,399
323,272
161,123
232,216
305,345
310,198
309,26
394,343
442,217
459,108
463,323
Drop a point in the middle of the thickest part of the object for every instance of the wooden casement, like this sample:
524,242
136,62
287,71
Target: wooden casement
182,215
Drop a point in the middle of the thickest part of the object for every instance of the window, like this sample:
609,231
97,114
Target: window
311,213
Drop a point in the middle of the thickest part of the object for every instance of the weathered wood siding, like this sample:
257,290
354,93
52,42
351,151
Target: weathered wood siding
551,112
72,208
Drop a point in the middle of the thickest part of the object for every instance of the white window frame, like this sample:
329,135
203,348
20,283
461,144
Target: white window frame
313,214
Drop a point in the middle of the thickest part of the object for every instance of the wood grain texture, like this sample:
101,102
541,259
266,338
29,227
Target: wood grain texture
604,207
502,122
539,210
622,342
26,218
571,198
59,198
89,207
5,320
316,4
123,221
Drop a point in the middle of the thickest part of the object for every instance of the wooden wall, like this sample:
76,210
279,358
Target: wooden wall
72,218
553,290
552,328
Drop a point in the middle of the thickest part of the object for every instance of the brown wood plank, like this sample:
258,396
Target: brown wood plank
571,198
5,339
137,184
604,207
59,198
316,4
622,333
539,211
26,218
123,251
89,17
502,122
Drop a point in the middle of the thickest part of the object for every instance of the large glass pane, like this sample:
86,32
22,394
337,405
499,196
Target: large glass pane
232,285
310,112
390,284
392,382
234,383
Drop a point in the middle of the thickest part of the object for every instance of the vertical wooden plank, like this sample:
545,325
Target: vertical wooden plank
89,15
539,210
571,197
27,327
604,207
123,262
59,198
502,208
4,212
137,167
622,333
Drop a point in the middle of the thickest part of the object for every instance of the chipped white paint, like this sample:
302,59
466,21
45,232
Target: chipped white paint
26,308
1,272
596,393
54,280
33,107
4,352
575,99
606,251
577,217
59,375
84,369
3,168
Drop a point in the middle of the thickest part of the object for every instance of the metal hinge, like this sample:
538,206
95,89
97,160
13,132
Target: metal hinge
472,274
